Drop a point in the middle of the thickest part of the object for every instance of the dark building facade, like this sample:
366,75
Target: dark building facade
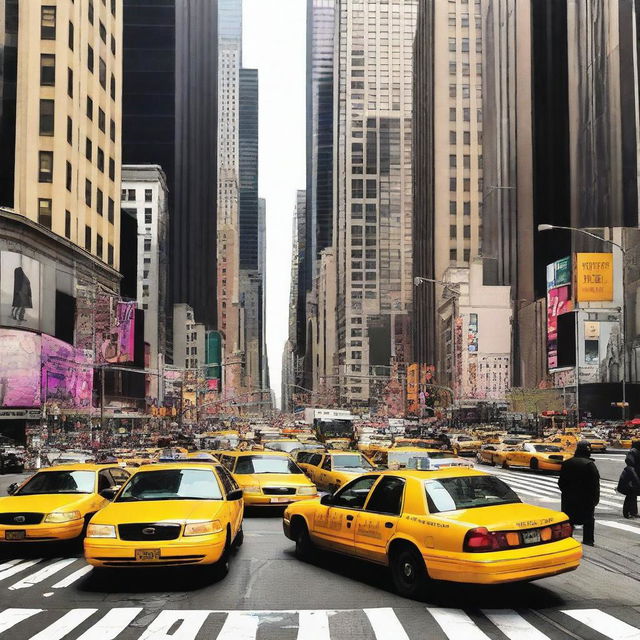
248,168
8,88
170,119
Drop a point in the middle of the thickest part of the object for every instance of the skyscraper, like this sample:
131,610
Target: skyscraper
170,119
372,189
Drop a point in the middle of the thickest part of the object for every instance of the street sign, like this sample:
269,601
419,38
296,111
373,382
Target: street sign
20,414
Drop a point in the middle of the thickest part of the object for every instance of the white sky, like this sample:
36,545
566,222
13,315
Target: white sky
274,42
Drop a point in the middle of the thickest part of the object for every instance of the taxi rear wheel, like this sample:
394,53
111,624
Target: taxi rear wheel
534,464
409,572
505,464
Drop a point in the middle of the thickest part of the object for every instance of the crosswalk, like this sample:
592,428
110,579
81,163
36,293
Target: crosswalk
424,622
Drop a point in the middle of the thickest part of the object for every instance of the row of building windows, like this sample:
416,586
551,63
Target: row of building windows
129,195
466,161
466,114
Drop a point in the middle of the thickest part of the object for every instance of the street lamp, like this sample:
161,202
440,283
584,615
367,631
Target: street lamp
623,251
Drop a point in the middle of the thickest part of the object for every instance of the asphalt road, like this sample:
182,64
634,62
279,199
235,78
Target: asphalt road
270,595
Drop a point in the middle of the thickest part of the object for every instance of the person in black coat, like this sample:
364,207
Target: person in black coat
630,481
579,484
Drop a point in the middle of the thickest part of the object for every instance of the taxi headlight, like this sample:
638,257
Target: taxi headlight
101,531
63,516
307,491
254,489
203,528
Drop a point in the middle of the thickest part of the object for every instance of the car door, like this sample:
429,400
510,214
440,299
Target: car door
323,474
312,465
377,522
235,507
333,524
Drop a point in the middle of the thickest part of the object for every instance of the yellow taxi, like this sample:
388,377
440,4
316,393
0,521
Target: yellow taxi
598,445
459,525
202,456
400,457
494,454
536,455
56,503
566,441
169,514
332,469
464,445
268,478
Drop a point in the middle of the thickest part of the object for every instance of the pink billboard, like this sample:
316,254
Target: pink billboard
19,368
558,302
115,332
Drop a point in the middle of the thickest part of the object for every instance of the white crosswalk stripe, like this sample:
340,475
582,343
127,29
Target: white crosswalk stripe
384,624
619,525
43,574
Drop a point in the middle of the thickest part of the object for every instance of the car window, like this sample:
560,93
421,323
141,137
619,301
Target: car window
266,464
355,461
171,484
354,495
227,480
120,476
104,480
387,496
315,459
59,482
467,492
326,465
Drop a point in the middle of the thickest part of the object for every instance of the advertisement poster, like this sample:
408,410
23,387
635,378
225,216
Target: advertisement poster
558,302
594,277
67,376
115,330
19,291
19,368
473,333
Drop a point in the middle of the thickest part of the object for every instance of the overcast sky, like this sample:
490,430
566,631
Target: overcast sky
274,43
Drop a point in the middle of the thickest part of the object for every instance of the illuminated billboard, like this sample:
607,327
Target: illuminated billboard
594,277
558,302
19,368
19,291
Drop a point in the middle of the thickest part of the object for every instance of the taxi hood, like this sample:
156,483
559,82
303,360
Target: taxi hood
505,517
158,511
272,479
45,503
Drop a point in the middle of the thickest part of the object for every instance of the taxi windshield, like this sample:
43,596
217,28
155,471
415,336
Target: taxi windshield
351,462
266,464
171,484
546,448
467,492
59,482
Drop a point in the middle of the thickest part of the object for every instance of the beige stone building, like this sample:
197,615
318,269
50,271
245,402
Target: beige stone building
68,121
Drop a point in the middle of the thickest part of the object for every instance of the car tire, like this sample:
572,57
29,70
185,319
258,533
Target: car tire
534,465
409,573
221,568
505,464
237,543
305,549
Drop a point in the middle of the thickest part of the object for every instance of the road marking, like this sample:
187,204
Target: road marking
619,525
385,624
553,482
240,625
70,579
456,624
313,625
190,624
513,625
60,628
112,624
10,563
7,573
11,617
43,574
605,624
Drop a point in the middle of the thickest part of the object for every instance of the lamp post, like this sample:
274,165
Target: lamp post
623,251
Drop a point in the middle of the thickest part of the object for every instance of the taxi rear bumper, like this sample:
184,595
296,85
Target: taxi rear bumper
110,552
477,568
45,532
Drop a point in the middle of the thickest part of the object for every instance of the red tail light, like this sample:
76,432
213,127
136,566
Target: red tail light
561,531
481,539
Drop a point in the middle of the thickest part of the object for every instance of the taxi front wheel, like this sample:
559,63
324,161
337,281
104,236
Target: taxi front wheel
305,548
409,572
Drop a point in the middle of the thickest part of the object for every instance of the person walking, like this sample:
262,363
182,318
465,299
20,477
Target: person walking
579,484
629,483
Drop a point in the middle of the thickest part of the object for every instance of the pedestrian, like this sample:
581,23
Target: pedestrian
629,483
579,484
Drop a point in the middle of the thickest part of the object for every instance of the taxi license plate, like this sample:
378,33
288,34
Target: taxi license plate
530,537
280,499
147,554
16,534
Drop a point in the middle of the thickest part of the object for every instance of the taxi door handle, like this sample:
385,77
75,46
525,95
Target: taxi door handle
388,525
349,518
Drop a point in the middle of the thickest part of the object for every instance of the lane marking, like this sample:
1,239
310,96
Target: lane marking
60,628
7,573
190,624
604,624
456,624
11,617
619,525
513,625
112,624
385,624
313,625
43,574
10,563
70,579
239,625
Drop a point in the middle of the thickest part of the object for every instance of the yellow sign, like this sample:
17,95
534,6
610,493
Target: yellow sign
594,277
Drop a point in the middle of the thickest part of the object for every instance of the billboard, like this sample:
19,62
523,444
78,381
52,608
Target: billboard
559,273
594,277
115,330
19,368
558,302
472,336
19,291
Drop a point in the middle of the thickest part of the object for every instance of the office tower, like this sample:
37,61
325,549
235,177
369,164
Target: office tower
62,64
372,190
170,119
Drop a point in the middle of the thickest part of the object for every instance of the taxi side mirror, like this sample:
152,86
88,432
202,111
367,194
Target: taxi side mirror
110,493
236,494
12,488
327,500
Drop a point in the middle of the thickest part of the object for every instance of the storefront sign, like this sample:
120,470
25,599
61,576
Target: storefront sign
20,414
594,277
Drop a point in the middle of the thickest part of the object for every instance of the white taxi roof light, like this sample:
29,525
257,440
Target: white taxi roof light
423,463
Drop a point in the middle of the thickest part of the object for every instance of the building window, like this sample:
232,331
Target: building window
69,130
71,36
452,184
148,195
453,254
467,210
112,131
44,212
110,254
147,244
466,255
103,32
452,207
90,60
67,224
372,188
112,169
113,8
48,22
88,149
45,166
46,117
453,162
111,210
99,245
148,216
99,201
87,192
70,82
453,230
113,45
102,73
87,237
102,120
47,70
69,180
113,86
89,108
